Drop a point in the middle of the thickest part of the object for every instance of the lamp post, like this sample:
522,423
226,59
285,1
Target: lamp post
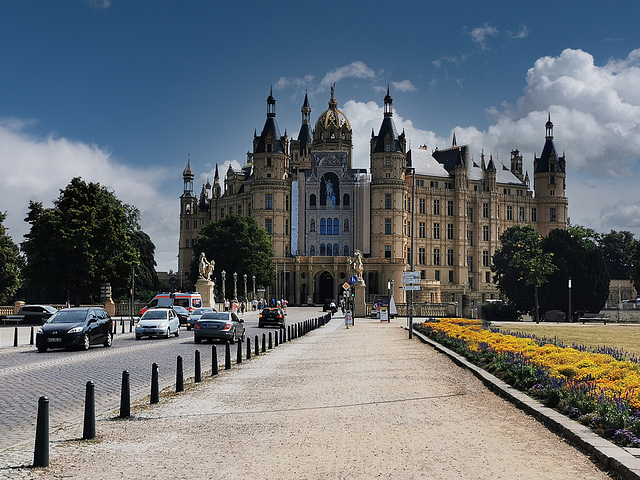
245,287
413,201
253,277
619,302
569,284
224,276
235,287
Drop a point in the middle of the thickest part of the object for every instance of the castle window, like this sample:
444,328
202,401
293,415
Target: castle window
268,201
312,250
436,231
485,210
485,258
534,214
286,226
487,277
336,250
323,227
187,243
312,200
387,226
509,212
346,225
433,184
269,158
451,281
387,201
422,256
387,251
346,251
470,237
552,214
486,235
336,226
323,250
436,256
312,226
387,161
421,205
450,209
422,230
450,231
436,206
450,257
239,209
346,200
387,148
329,227
268,225
186,224
521,214
552,192
286,203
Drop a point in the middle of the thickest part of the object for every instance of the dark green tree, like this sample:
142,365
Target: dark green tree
635,264
576,255
238,245
617,250
9,265
520,266
146,278
83,241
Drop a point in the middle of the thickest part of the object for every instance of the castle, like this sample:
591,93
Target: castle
441,207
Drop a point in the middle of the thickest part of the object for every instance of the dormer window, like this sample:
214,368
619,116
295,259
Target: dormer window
387,148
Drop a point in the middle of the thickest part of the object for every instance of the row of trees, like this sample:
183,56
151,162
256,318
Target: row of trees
534,271
88,238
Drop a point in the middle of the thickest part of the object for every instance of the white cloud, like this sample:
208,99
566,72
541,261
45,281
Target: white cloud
356,69
479,35
100,4
36,168
404,86
522,33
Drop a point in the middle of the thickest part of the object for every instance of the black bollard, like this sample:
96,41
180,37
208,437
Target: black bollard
257,346
122,324
125,396
131,325
32,338
264,342
227,356
41,451
248,348
214,360
239,353
89,430
15,337
197,376
289,331
155,388
179,375
275,339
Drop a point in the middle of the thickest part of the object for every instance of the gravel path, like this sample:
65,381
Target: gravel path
362,403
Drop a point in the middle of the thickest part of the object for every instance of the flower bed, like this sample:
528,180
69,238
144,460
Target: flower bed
600,390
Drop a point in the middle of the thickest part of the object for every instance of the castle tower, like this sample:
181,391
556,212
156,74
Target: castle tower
188,230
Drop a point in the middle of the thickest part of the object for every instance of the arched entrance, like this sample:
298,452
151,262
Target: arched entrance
324,287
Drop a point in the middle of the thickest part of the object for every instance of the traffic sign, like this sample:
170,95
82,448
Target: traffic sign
353,279
410,277
346,286
411,287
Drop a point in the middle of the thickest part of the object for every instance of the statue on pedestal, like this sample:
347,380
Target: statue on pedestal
356,265
205,267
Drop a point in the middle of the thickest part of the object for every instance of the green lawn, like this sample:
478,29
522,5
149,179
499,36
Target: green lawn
625,337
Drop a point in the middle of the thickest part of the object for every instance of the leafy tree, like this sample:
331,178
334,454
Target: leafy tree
576,255
635,261
82,242
9,265
146,282
617,250
237,244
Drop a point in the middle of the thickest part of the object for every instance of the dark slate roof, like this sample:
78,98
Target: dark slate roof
452,157
543,164
270,127
305,136
387,128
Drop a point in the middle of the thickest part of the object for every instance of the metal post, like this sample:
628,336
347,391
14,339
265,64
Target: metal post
197,376
253,277
155,389
619,303
41,451
125,396
235,287
413,197
245,287
179,375
224,276
89,429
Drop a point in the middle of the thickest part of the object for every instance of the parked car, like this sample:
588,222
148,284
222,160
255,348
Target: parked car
183,314
32,314
219,326
330,305
271,316
76,327
158,322
195,316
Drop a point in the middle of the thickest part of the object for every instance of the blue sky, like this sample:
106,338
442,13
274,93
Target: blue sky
122,91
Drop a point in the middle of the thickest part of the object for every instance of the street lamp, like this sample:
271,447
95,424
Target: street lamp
254,286
235,287
224,276
413,201
245,287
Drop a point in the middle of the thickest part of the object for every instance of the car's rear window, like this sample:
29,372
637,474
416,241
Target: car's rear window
215,316
68,316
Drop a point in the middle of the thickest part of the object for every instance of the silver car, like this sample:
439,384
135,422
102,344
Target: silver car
219,326
158,322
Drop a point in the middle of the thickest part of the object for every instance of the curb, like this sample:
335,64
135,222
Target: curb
602,450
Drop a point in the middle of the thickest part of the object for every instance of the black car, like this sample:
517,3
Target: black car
76,327
36,314
183,314
271,316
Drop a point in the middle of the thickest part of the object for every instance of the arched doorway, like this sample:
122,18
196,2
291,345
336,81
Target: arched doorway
324,287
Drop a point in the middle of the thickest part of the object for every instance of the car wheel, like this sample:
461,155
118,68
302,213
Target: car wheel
233,339
138,337
197,339
109,341
168,334
188,327
42,349
86,342
243,334
177,334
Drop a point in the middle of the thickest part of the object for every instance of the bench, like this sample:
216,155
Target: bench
593,317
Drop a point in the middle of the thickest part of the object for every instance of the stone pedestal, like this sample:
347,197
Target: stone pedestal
110,307
205,289
360,307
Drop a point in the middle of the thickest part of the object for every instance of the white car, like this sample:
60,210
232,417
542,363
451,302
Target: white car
158,322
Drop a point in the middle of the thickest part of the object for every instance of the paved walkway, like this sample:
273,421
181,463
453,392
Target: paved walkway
358,403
